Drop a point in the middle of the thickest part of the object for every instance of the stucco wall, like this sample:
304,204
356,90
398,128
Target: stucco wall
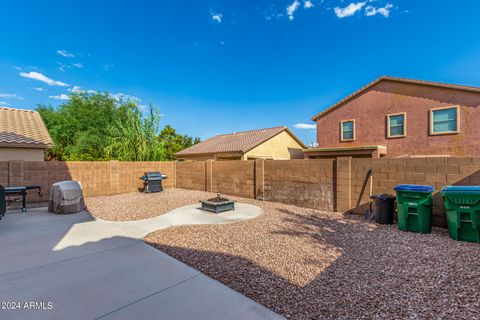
280,147
204,157
370,109
26,154
199,157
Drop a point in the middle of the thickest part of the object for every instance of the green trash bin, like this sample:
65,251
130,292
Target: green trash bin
414,207
462,207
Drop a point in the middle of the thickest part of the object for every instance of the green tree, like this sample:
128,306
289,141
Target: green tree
174,142
80,127
134,138
100,127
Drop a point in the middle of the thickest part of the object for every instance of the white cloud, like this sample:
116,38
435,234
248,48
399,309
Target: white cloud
40,77
292,8
4,103
77,89
384,11
65,54
305,126
349,10
62,96
308,4
11,96
38,89
217,17
17,68
78,65
123,96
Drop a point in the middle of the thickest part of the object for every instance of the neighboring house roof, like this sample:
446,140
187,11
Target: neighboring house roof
237,142
403,80
23,128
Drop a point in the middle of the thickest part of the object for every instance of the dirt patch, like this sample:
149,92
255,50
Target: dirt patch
137,206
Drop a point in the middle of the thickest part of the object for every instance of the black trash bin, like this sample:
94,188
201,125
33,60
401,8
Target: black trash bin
383,208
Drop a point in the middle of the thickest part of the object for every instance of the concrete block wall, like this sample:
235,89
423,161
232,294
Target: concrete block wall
129,173
306,183
4,173
191,175
341,185
97,177
235,178
388,172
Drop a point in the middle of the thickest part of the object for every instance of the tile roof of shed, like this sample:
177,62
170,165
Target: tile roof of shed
23,128
237,142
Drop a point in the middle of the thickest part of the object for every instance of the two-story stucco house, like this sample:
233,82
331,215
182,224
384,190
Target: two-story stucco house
395,117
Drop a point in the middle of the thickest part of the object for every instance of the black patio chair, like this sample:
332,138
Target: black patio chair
3,202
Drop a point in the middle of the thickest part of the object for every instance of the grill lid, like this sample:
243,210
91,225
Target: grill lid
152,176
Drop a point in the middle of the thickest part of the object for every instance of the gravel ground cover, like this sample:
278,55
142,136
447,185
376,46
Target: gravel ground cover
311,264
138,205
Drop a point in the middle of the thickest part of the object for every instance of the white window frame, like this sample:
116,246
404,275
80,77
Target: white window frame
431,112
341,130
389,135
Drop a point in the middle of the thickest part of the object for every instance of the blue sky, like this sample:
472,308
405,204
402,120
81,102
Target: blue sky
221,66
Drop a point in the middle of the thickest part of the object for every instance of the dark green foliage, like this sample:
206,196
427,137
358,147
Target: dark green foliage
174,142
100,127
134,138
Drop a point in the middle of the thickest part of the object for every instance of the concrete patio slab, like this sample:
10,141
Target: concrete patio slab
104,270
188,300
97,230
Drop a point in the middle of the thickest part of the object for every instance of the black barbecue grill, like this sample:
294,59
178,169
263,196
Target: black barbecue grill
152,182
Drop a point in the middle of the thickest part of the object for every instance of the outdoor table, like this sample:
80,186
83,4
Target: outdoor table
22,191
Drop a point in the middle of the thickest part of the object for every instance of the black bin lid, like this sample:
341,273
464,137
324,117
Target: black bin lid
383,196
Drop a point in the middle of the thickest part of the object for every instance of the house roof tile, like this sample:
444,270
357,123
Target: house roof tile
404,80
237,142
23,128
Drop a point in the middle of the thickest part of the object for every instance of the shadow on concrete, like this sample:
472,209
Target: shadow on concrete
111,277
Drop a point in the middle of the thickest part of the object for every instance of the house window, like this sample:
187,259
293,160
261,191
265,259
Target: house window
347,130
444,120
396,125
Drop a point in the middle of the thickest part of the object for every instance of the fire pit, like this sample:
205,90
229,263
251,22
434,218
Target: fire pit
217,204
